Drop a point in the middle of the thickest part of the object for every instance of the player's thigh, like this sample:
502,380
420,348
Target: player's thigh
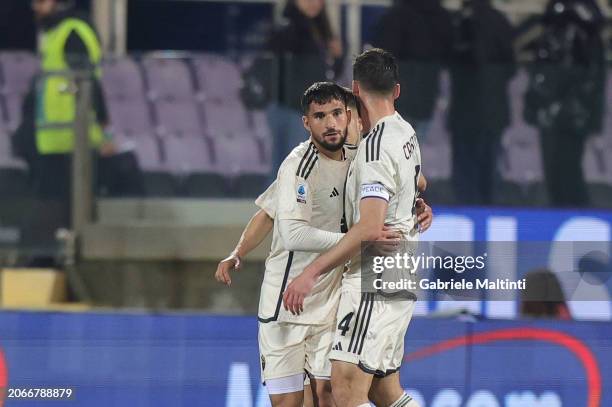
295,399
286,391
384,391
282,350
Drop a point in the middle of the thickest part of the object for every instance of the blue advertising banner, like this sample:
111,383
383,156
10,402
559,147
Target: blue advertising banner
524,240
196,360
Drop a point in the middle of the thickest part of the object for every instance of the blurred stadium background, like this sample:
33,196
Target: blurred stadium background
120,303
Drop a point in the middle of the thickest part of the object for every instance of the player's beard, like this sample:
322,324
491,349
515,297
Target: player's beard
332,147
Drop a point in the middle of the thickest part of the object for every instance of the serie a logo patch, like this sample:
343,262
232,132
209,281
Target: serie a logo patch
302,193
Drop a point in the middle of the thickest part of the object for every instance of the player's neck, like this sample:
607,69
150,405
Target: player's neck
332,155
377,108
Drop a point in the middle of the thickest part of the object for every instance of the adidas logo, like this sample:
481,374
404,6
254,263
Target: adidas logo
334,193
338,346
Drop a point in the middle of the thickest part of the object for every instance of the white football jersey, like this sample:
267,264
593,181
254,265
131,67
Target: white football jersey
387,166
309,187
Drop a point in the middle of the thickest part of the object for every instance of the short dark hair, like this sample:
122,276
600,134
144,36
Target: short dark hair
352,101
322,92
376,71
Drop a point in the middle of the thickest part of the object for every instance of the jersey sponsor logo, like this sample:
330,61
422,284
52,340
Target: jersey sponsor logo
374,191
302,193
334,193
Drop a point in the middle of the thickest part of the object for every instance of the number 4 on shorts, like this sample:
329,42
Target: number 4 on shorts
344,324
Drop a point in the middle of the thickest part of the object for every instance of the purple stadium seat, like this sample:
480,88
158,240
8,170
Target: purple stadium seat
18,69
188,154
521,161
7,160
220,79
178,118
12,104
130,117
3,114
122,78
145,148
168,79
262,131
226,120
235,157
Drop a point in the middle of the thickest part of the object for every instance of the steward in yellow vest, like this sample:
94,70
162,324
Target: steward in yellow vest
67,43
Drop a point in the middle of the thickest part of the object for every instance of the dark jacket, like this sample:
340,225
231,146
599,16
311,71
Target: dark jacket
482,65
566,86
298,57
418,33
77,57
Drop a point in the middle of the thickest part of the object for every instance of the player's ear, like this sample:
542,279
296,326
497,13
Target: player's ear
355,86
349,116
396,91
305,122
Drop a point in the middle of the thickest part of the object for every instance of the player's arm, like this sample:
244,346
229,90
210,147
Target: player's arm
253,234
298,235
372,218
295,206
422,183
423,211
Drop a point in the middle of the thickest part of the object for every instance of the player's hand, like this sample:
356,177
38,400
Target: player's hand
388,241
424,215
389,234
298,289
224,267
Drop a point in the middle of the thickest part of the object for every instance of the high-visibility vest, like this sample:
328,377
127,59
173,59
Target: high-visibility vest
55,105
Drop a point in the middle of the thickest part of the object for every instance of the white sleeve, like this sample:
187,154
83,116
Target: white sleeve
378,176
267,200
300,236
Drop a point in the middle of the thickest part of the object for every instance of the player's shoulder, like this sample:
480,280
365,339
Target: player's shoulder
301,160
389,135
349,151
397,129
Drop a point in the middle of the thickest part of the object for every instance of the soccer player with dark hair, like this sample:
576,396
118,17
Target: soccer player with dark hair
381,189
306,206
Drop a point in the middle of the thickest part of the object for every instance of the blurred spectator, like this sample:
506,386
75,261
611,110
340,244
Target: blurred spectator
419,33
45,137
306,51
16,27
543,296
565,98
481,68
